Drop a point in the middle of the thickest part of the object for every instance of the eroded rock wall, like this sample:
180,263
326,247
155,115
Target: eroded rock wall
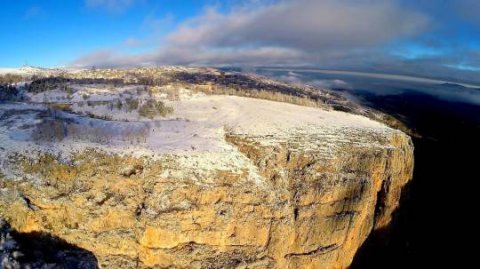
330,205
308,210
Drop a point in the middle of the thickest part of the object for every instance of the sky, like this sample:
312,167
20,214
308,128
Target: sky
425,38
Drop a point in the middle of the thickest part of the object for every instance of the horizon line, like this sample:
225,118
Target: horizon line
387,76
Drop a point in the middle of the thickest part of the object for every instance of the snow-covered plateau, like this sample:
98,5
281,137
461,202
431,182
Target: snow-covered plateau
149,161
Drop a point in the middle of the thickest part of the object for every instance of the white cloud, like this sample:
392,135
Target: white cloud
294,32
304,24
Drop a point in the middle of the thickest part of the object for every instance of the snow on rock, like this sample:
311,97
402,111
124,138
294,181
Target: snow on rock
194,133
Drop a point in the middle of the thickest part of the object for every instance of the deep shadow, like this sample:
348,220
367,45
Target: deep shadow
389,246
42,250
435,217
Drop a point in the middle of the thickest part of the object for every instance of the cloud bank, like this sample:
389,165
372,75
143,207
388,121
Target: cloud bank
347,34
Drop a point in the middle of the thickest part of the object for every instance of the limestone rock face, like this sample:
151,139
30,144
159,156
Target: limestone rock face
263,185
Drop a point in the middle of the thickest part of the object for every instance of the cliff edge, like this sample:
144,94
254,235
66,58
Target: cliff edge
216,181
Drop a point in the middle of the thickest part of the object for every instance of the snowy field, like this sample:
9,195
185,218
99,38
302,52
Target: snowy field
107,119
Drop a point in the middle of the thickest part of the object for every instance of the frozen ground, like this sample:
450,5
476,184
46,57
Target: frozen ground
102,117
194,133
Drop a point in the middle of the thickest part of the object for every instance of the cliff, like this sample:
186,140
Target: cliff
222,182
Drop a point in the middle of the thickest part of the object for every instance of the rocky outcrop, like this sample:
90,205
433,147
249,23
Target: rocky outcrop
225,182
311,210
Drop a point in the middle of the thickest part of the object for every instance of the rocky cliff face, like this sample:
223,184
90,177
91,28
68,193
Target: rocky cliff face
225,182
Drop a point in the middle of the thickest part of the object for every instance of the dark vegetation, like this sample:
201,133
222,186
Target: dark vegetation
8,90
235,82
152,108
9,93
9,79
132,104
242,84
39,85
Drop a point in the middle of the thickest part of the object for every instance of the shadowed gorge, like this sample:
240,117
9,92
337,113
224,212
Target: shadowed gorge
444,157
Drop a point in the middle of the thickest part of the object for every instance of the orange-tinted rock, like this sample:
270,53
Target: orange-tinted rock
309,212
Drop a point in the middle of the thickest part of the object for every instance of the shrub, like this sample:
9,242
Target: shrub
132,104
47,84
152,108
60,106
100,117
119,104
8,92
8,79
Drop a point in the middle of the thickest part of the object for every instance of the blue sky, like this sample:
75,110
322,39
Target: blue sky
52,33
412,37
